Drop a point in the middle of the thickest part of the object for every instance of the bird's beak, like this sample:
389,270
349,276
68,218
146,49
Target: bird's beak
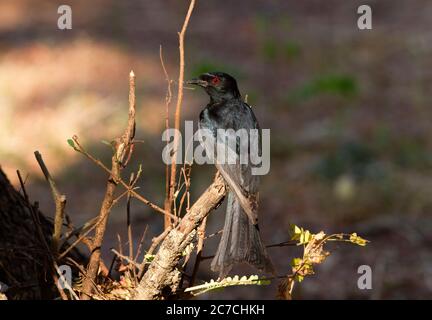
198,82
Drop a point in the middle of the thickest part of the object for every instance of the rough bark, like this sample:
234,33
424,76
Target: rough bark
24,258
162,278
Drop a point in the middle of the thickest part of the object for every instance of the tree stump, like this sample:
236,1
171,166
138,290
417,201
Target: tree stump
25,239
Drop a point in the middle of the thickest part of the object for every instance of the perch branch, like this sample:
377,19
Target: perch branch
155,242
162,273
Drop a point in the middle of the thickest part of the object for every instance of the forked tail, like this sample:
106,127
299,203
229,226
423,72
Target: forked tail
240,242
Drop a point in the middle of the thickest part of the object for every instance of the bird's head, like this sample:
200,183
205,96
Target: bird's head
219,85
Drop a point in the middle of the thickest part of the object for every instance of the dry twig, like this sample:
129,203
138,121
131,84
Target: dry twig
60,203
35,217
179,104
122,147
167,203
79,148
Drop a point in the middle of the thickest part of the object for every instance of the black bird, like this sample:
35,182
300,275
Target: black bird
240,241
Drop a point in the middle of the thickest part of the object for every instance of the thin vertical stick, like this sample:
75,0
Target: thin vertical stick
167,203
141,243
22,183
179,103
128,220
120,246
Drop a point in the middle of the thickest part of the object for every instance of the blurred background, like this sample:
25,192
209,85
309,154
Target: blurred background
349,112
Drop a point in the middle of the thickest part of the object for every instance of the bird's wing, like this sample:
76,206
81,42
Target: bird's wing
238,176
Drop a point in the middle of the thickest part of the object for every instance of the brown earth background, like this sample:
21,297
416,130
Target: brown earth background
349,112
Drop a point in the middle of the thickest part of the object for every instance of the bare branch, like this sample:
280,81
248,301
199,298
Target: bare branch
162,273
128,221
155,242
127,259
77,241
122,146
179,103
141,243
60,203
167,203
79,148
22,183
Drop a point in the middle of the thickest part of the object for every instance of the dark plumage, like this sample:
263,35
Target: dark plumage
240,240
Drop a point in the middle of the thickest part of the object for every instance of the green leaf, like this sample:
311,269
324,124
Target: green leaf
296,262
71,143
295,232
149,257
307,236
299,278
298,233
302,238
354,238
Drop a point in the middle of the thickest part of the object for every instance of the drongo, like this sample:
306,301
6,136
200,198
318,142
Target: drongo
240,241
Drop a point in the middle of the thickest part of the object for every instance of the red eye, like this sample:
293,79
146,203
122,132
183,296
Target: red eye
215,80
